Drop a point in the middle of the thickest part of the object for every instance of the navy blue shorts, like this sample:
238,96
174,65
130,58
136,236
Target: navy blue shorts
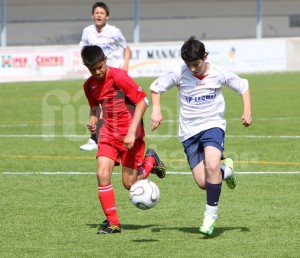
194,146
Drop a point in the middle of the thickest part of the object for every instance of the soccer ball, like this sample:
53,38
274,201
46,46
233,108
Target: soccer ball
144,194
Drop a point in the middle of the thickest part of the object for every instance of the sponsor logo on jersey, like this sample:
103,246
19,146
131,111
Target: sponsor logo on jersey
198,100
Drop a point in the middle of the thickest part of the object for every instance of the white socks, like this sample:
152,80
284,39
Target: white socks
211,211
227,171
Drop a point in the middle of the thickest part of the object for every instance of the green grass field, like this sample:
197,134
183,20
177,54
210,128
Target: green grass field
46,211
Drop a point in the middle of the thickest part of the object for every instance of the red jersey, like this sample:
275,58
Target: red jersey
117,94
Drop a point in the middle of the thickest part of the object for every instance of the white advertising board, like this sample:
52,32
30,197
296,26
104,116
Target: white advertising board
40,64
248,55
148,59
235,55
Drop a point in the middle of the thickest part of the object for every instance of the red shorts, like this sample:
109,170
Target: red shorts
116,151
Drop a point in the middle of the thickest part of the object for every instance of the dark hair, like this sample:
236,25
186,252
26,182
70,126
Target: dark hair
102,5
92,55
193,49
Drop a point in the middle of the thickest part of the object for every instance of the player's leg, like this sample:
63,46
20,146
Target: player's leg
158,168
150,163
213,188
193,149
131,161
199,175
91,144
105,189
228,173
129,176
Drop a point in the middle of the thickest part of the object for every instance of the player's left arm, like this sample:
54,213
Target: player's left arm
246,116
140,109
241,86
123,44
127,56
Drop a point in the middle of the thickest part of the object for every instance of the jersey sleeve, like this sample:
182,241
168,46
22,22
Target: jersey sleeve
84,38
92,101
164,83
121,39
131,89
236,83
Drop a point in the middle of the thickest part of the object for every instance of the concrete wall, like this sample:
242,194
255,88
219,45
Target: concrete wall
60,22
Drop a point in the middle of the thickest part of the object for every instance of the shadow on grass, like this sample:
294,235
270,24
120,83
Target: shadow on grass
194,230
126,226
145,240
191,230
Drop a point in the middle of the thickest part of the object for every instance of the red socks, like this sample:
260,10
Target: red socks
147,165
107,199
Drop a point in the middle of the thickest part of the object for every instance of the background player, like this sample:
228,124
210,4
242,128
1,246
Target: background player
201,124
112,42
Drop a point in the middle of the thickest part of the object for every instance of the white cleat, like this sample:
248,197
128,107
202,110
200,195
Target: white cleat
90,145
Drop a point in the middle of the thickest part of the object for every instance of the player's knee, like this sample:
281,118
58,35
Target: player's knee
211,168
128,182
127,185
103,178
201,184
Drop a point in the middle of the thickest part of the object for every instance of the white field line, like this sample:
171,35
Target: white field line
147,136
169,173
165,121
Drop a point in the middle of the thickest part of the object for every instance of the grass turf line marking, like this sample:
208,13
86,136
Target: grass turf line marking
51,123
147,136
167,160
176,160
169,173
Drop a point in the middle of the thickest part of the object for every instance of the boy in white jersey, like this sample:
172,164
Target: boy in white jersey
201,123
113,44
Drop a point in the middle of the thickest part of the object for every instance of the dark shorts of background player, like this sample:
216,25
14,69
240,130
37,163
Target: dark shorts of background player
115,150
194,146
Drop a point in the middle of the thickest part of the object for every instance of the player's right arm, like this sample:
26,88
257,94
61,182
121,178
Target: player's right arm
92,126
95,109
164,83
156,115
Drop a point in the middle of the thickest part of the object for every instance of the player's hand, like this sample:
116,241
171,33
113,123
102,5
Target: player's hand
247,120
92,127
156,120
129,140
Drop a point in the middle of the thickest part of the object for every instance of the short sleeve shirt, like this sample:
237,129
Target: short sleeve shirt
118,95
110,39
201,100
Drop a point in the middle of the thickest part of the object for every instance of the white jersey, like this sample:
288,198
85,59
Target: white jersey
201,100
110,39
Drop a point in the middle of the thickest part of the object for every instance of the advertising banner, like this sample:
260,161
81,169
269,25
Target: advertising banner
148,59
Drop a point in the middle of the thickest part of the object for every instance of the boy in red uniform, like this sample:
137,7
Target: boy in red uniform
123,104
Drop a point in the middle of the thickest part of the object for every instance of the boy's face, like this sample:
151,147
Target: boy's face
196,66
99,70
99,16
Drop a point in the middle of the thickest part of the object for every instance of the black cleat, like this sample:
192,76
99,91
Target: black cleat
109,229
159,169
104,223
